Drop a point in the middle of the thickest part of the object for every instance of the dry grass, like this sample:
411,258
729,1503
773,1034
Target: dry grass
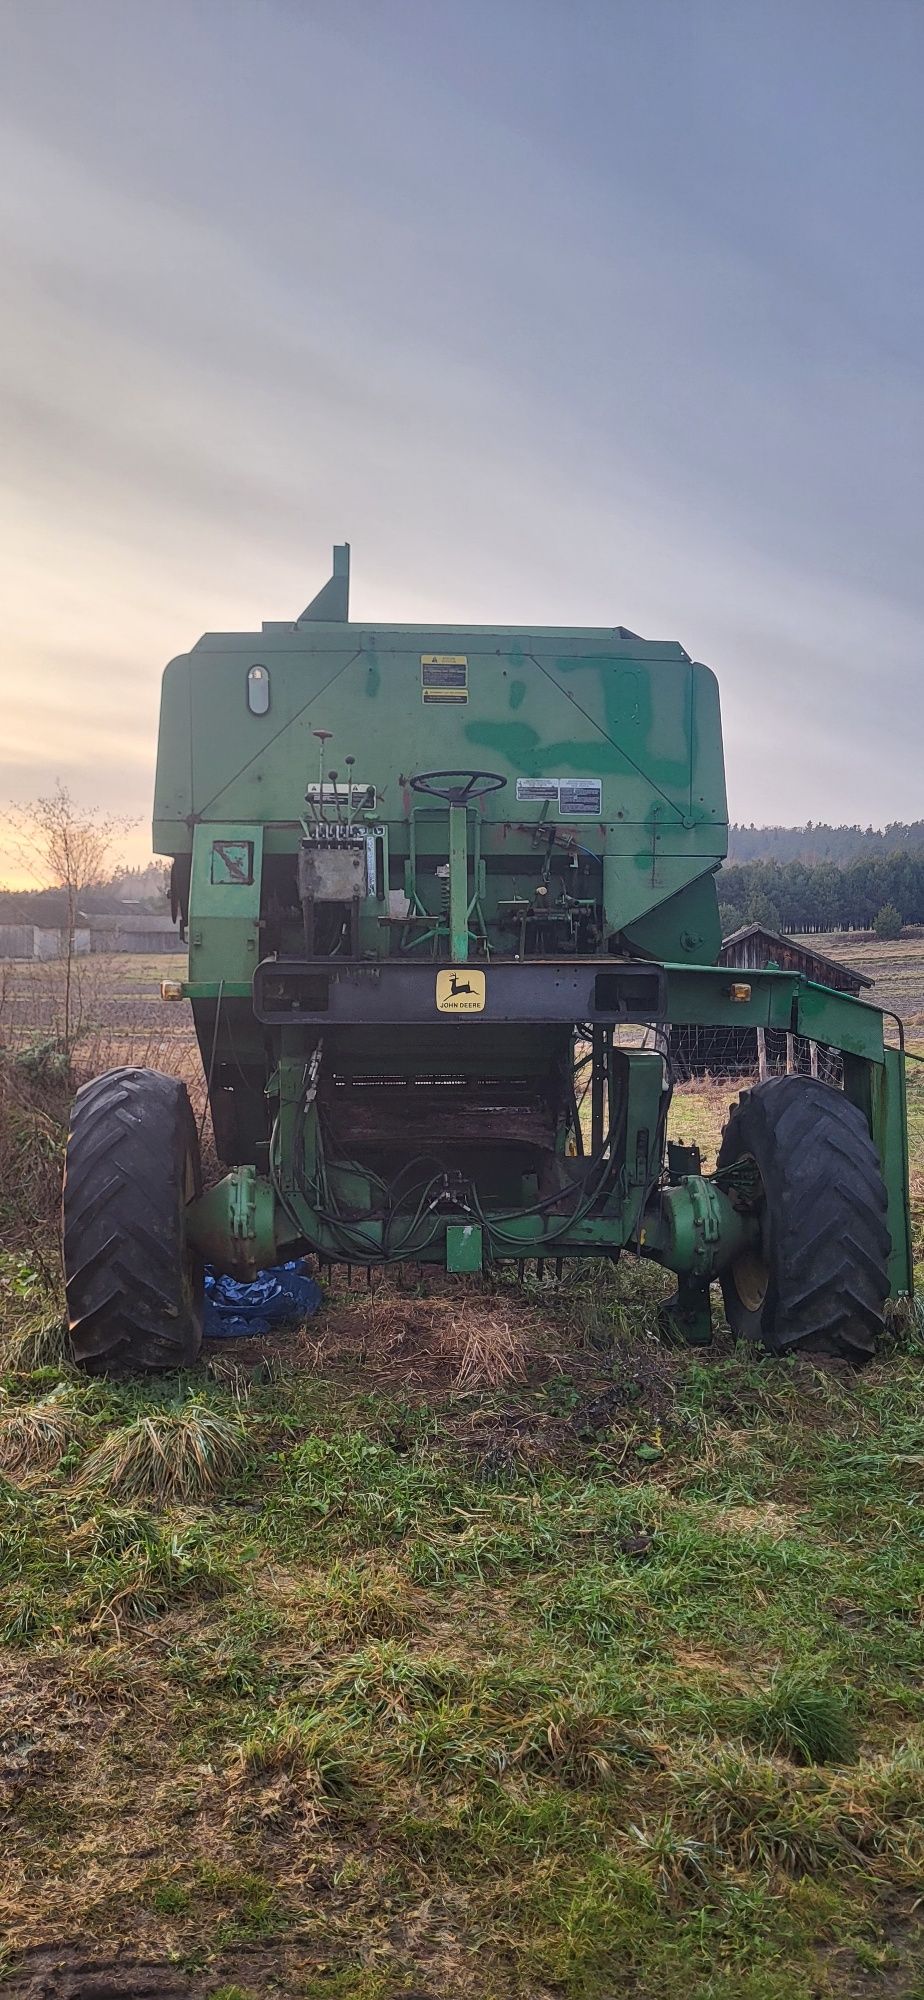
34,1106
309,1749
119,1019
363,1603
486,1349
478,1342
768,1519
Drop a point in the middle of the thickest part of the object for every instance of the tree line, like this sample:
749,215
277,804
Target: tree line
817,841
878,890
125,889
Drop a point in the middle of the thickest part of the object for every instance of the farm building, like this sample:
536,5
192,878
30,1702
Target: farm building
142,932
40,941
134,930
17,940
760,1051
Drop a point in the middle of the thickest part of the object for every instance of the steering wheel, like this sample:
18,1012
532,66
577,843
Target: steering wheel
456,788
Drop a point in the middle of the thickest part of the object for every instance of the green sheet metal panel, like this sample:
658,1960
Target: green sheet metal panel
224,934
544,712
840,1020
614,737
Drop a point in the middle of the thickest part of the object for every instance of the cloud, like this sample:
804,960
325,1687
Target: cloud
559,321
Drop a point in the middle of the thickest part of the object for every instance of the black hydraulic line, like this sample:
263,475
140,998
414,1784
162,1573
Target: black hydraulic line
588,1190
597,1082
576,1125
582,1193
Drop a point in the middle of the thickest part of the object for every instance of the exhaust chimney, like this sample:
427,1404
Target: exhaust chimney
332,604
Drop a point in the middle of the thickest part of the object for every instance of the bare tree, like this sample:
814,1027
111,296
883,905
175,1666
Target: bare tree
66,846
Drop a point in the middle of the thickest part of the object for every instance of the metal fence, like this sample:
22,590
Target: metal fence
736,1052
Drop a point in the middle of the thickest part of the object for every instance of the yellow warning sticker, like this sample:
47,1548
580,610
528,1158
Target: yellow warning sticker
460,991
444,676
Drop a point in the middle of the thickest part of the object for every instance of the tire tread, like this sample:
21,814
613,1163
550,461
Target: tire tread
827,1201
131,1297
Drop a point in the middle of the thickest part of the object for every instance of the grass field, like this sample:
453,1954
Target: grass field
467,1642
116,1009
896,969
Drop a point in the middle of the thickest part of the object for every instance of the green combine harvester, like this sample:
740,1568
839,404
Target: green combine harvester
428,875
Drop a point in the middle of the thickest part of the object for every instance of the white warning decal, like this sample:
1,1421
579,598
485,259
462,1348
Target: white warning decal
576,798
580,798
531,789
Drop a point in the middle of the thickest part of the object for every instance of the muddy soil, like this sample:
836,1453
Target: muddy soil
62,1974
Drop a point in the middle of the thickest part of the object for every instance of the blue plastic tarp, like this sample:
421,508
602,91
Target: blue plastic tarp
278,1297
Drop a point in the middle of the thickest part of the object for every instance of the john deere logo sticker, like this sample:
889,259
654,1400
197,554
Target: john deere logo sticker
460,992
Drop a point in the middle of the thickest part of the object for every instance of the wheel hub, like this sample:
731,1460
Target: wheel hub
750,1275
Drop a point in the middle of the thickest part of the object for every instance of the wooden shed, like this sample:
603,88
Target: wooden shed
757,947
144,931
759,1051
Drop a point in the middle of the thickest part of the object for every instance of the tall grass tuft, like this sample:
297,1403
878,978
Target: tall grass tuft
35,1338
801,1719
905,1325
35,1436
577,1745
174,1455
133,1569
308,1762
756,1814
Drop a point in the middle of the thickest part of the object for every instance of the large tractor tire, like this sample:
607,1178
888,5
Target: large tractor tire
134,1287
809,1169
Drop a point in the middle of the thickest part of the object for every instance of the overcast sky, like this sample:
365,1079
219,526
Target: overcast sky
561,313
